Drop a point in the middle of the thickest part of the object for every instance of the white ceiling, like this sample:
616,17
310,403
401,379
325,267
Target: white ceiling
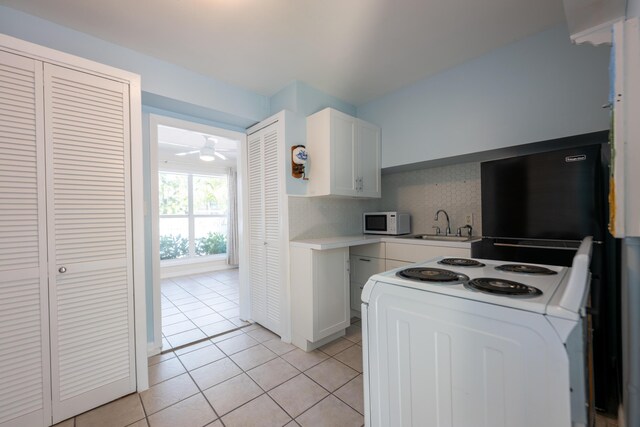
356,50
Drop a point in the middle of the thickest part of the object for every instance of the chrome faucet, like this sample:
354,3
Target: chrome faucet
448,229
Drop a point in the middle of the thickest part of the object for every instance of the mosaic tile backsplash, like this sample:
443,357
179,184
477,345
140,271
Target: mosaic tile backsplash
421,193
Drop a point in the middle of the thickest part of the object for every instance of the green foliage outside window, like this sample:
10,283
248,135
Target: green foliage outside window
172,247
174,194
211,244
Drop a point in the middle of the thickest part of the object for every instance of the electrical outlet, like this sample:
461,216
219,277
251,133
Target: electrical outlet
468,219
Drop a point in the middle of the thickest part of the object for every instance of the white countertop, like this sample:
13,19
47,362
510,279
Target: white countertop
362,239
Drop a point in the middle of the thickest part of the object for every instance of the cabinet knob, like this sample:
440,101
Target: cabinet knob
62,270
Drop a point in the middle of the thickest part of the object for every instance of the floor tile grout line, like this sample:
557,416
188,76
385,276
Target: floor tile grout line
180,347
186,315
218,417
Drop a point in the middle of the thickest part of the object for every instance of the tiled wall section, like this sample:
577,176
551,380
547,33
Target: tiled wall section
455,189
316,217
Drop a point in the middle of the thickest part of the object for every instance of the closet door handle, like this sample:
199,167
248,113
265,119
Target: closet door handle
62,270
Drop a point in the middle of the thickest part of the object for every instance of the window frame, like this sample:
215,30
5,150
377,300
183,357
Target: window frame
192,257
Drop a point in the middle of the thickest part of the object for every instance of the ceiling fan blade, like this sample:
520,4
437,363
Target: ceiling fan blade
220,155
187,152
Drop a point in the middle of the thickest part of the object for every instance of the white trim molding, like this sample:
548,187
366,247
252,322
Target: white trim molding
154,121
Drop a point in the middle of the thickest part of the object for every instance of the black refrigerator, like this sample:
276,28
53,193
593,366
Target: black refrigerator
536,208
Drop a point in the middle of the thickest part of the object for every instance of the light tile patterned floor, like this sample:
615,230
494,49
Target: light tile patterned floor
245,378
199,306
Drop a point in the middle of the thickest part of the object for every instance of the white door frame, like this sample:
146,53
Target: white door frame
154,121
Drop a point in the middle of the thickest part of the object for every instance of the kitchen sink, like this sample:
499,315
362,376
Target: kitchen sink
440,237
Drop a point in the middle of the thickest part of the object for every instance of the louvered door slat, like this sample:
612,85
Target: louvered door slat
89,228
24,376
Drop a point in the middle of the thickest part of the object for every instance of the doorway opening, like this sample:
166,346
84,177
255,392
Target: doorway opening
195,228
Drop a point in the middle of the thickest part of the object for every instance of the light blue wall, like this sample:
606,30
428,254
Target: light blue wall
301,100
539,88
305,100
165,85
633,8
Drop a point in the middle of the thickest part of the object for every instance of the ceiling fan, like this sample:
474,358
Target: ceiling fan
207,152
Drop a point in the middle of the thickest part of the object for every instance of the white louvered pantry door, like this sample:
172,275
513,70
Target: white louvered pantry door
25,392
89,238
265,228
257,247
273,229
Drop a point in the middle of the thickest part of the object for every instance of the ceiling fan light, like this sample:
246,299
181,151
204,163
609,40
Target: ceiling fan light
207,154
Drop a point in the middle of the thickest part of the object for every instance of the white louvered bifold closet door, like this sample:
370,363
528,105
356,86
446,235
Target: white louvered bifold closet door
272,228
257,241
25,392
89,209
265,228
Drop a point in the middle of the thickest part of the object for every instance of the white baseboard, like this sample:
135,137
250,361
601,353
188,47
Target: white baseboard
177,270
153,348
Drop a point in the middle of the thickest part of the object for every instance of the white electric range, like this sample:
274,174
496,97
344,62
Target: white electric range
471,345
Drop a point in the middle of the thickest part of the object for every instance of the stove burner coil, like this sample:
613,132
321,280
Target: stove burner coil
437,275
526,269
461,262
491,285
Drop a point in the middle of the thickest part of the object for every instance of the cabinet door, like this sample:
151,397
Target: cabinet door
368,159
362,268
25,391
356,294
89,239
390,264
365,267
343,154
331,292
419,253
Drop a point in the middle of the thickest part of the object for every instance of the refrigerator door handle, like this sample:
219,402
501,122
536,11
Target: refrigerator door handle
515,245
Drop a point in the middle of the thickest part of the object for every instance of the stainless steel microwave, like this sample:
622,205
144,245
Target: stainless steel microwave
393,223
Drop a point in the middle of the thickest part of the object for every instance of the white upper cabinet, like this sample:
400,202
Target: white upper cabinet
344,155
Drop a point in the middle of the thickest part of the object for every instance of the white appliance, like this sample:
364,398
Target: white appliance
393,223
443,354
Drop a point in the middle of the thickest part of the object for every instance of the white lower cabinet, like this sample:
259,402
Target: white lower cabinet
320,295
411,253
365,260
390,264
